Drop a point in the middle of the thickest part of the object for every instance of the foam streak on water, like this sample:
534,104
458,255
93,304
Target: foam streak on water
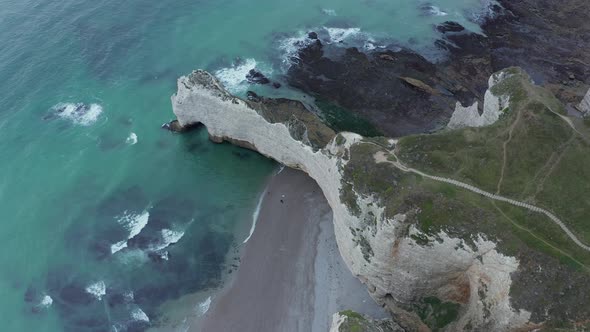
255,217
203,307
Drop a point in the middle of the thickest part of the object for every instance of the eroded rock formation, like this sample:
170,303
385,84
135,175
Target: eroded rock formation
399,264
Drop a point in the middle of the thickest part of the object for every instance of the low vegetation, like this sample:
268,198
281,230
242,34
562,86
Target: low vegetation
531,154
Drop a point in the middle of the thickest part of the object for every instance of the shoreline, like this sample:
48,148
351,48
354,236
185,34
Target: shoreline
290,268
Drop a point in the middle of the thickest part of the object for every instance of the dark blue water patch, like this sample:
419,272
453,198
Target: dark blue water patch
107,142
168,75
195,142
242,154
188,271
194,263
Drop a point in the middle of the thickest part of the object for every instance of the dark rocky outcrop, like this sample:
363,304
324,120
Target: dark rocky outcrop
399,92
256,77
449,26
548,39
303,124
402,93
174,126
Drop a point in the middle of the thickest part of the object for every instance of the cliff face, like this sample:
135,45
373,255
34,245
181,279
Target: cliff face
492,107
584,106
399,264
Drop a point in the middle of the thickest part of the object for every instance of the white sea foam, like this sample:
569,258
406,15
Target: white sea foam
129,296
168,237
340,34
329,12
78,113
46,301
255,217
290,47
164,255
371,44
134,222
118,246
203,307
485,12
234,77
98,289
133,257
436,11
138,315
131,139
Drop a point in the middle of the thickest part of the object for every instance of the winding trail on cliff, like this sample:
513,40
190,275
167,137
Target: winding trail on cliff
381,157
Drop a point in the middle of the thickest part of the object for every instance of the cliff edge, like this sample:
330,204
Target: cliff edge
438,257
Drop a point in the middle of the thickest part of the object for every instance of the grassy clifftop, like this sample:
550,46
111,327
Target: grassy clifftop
532,154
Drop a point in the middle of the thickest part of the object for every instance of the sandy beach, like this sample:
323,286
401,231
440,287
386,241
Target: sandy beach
291,276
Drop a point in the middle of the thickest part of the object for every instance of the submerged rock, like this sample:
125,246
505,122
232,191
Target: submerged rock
369,84
256,77
450,26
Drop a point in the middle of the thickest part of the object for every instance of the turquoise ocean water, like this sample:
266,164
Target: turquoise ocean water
105,216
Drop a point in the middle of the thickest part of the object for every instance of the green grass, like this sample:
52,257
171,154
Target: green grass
355,322
352,314
436,313
546,162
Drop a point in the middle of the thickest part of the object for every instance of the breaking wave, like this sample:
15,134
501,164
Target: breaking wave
78,113
340,34
98,289
134,223
289,47
234,77
434,11
168,237
139,315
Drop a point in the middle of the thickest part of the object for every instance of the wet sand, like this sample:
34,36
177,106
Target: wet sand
291,276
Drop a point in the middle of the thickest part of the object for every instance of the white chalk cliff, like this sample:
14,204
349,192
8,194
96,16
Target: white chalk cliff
584,105
400,269
493,107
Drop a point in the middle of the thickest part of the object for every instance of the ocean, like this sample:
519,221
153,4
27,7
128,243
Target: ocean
107,219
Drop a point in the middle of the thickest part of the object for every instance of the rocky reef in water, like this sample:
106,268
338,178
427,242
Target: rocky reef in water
438,257
402,93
